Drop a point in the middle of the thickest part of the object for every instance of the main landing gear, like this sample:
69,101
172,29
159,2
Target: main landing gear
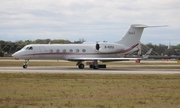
25,64
94,65
80,65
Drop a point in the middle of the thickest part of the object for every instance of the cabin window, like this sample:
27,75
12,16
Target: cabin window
77,50
83,50
64,50
57,50
51,50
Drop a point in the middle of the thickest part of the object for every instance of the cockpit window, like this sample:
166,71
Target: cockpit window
30,48
27,48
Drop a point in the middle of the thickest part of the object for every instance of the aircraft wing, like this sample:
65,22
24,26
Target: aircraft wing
102,59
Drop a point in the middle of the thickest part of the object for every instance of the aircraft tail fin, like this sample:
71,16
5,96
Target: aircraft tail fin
133,35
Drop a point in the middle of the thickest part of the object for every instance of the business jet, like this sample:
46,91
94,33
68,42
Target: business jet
94,52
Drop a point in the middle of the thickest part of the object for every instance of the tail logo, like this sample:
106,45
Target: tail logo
131,32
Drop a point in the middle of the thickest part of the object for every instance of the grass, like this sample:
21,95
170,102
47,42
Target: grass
19,90
5,58
35,90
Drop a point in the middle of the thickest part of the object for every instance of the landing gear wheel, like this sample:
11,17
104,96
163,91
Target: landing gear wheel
24,66
96,64
95,67
81,66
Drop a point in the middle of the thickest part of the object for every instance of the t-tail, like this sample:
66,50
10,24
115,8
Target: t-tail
133,35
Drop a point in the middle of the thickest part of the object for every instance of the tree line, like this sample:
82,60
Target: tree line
7,47
162,49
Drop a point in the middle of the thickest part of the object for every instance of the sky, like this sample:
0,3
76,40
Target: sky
92,20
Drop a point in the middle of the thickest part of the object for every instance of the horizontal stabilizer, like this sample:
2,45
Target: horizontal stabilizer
146,26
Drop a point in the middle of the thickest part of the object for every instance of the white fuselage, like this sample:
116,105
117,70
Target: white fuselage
67,51
101,51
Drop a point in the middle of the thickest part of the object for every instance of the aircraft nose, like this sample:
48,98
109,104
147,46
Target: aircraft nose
16,55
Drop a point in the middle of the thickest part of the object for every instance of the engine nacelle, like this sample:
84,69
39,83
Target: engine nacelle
109,47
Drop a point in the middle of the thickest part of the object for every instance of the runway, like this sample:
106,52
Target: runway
75,70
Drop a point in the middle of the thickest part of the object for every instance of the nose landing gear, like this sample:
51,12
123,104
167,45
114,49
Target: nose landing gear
25,64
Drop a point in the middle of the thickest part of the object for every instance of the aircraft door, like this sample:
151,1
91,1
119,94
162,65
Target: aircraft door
42,51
